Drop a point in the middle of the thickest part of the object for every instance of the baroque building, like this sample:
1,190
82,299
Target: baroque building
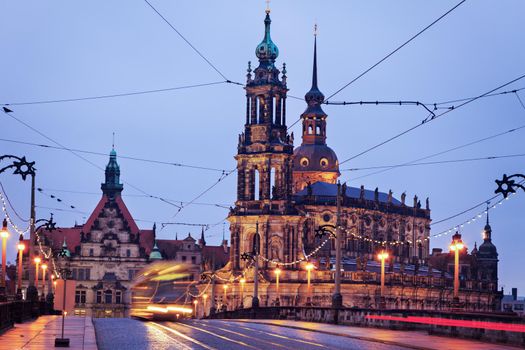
284,195
106,252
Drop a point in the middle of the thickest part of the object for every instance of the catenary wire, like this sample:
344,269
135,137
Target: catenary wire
186,40
98,97
120,156
10,113
396,50
427,120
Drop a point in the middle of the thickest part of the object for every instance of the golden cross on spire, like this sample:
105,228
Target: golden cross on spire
315,29
267,6
113,143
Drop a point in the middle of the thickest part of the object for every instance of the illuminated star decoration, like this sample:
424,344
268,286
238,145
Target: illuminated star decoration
24,168
506,185
246,256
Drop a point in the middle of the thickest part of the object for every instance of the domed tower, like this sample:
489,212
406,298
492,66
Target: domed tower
487,257
265,149
314,161
264,162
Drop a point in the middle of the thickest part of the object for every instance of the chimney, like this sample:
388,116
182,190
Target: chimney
514,293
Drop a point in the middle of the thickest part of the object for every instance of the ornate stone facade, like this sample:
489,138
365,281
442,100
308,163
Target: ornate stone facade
284,196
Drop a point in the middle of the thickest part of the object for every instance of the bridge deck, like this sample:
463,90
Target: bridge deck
41,334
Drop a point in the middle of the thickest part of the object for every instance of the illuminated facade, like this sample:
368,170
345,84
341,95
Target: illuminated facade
285,195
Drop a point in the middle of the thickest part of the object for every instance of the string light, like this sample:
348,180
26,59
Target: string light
8,218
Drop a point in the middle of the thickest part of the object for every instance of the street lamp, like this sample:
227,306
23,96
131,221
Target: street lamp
225,287
309,267
37,264
4,234
242,281
456,246
195,302
204,297
21,246
44,269
383,255
277,272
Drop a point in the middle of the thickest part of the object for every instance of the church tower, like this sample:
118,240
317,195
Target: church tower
112,186
264,158
314,161
487,257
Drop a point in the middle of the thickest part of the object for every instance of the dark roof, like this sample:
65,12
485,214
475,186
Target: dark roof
216,254
330,190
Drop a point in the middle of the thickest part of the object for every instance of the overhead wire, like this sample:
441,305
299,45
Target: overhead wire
120,156
427,120
396,50
10,113
437,162
186,40
98,97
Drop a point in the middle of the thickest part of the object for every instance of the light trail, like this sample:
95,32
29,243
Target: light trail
496,326
184,336
218,336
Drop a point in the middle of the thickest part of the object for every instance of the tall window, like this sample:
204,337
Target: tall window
257,184
80,297
272,183
128,253
108,297
118,297
99,297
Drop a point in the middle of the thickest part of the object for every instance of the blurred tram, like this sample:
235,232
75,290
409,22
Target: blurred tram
161,291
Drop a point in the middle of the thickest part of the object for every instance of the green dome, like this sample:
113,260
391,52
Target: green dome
267,51
155,253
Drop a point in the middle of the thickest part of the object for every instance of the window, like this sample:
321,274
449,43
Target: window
74,274
80,297
99,296
131,274
128,253
323,162
183,258
88,273
518,307
91,252
193,259
80,274
108,297
118,297
304,162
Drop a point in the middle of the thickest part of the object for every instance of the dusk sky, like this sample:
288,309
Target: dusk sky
56,50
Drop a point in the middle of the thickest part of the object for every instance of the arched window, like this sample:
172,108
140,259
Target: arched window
257,185
318,130
256,243
273,187
310,130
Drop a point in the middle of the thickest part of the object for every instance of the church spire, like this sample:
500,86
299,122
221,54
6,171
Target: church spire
267,51
487,232
112,185
314,118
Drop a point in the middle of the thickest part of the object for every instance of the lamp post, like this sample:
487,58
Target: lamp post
383,255
44,269
277,272
309,267
64,255
37,261
24,168
195,302
4,234
254,256
224,304
337,298
204,298
21,247
242,281
456,246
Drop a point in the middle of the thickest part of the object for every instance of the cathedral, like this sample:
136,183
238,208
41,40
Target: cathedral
287,197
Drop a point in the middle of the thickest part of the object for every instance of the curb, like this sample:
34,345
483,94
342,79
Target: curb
386,342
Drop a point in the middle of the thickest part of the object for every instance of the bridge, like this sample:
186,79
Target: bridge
271,328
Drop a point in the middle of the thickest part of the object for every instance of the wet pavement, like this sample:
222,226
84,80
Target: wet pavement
41,333
218,335
265,334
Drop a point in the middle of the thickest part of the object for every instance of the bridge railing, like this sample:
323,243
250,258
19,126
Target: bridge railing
20,311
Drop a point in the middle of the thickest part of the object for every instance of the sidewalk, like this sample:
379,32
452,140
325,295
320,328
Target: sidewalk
41,334
410,339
